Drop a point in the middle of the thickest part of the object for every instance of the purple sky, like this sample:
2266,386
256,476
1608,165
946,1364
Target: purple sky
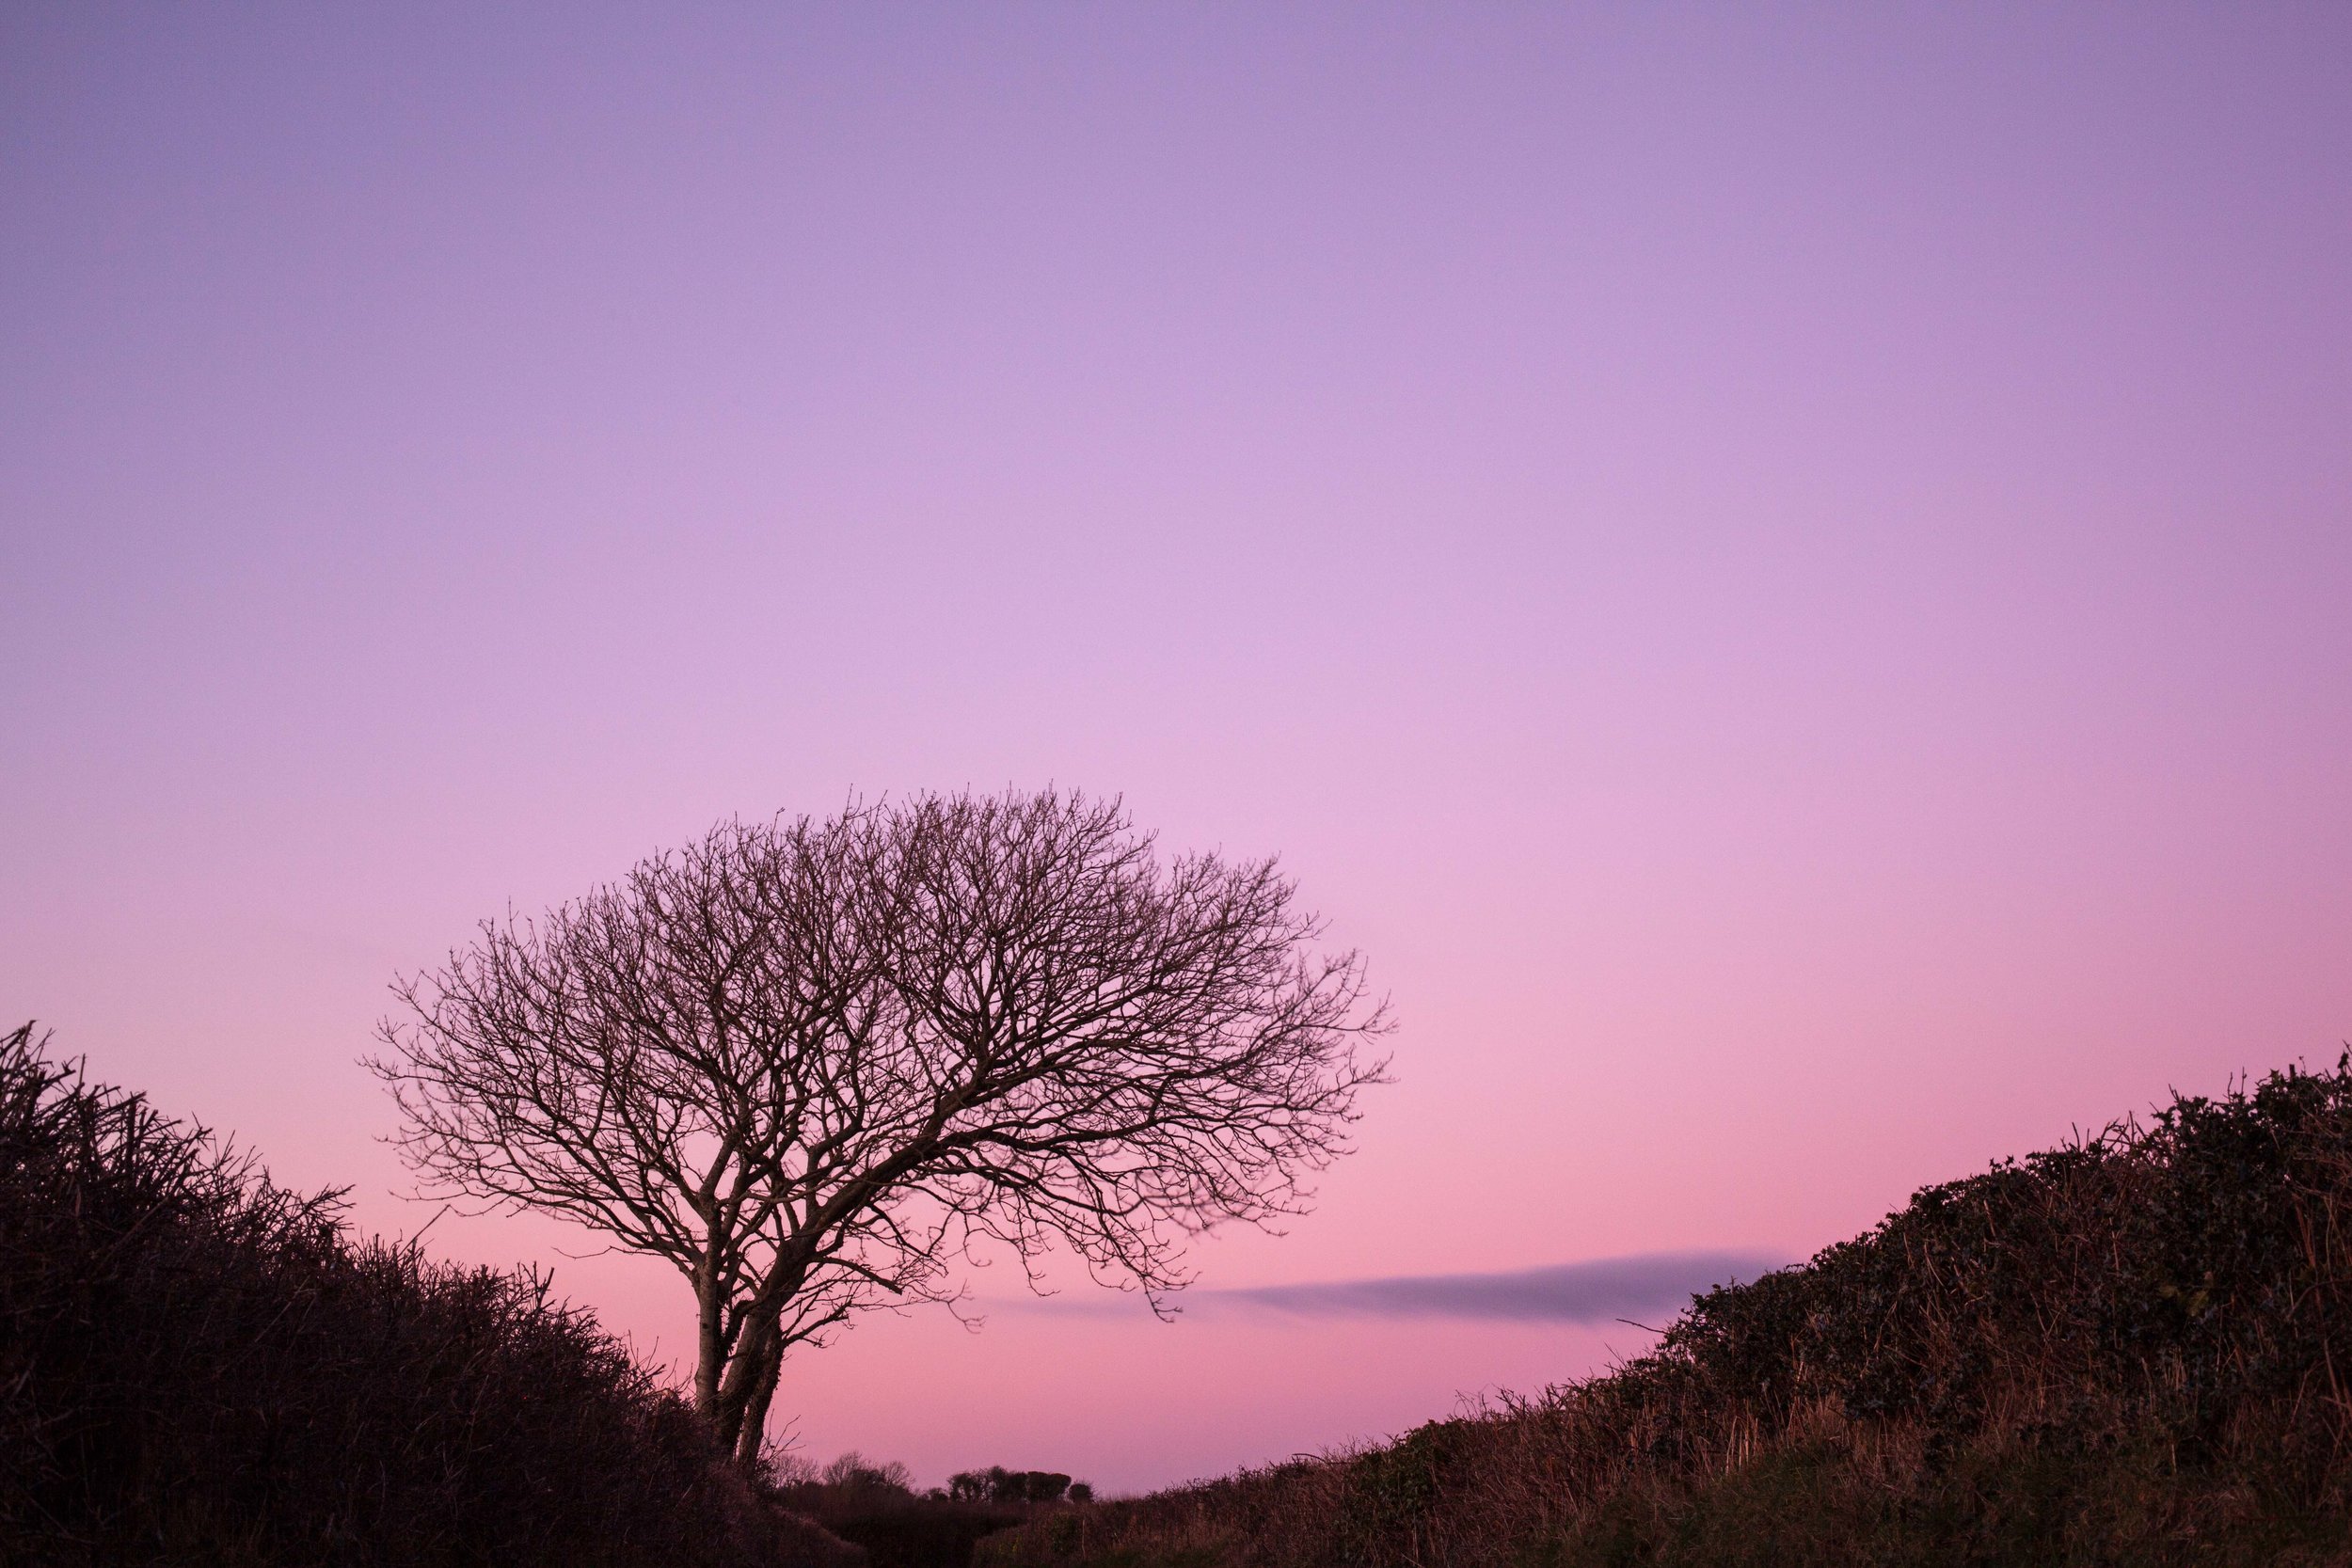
1788,574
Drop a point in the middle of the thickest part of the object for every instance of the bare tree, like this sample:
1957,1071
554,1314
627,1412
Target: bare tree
811,1063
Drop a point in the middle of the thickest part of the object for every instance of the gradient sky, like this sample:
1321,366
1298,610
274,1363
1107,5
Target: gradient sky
1785,573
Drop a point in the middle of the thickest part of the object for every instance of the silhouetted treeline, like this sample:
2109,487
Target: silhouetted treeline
997,1484
876,1507
2134,1349
198,1365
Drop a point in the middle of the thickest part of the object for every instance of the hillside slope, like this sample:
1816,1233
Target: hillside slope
2133,1349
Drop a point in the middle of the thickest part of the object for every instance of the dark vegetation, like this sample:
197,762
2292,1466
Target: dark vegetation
1000,1485
199,1365
2133,1349
877,1508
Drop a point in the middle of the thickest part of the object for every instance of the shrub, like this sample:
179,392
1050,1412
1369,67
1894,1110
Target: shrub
875,1507
198,1365
2134,1348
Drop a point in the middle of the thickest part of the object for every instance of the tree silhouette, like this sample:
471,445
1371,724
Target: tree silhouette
811,1062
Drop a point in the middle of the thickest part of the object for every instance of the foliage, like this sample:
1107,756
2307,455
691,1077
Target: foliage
874,1507
198,1365
2132,1349
1000,1485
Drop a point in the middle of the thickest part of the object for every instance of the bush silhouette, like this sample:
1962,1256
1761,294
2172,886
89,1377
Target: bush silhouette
200,1364
997,1484
875,1507
2134,1348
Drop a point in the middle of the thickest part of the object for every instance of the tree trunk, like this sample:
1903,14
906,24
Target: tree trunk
710,1345
763,1391
737,1409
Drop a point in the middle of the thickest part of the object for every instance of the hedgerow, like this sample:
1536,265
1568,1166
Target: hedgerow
198,1365
2134,1348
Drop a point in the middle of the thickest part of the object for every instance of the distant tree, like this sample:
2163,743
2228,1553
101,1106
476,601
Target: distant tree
787,1467
997,1484
810,1062
853,1472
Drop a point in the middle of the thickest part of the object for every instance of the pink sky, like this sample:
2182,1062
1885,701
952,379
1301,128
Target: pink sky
1787,574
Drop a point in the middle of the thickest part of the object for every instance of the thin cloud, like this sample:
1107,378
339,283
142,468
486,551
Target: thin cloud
1645,1287
1602,1291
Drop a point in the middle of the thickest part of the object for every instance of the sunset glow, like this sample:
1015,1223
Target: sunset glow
1783,573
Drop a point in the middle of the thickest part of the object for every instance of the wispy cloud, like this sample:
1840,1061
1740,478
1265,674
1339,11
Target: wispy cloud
1600,1291
1647,1287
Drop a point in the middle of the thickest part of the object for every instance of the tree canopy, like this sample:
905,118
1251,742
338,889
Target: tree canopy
812,1062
